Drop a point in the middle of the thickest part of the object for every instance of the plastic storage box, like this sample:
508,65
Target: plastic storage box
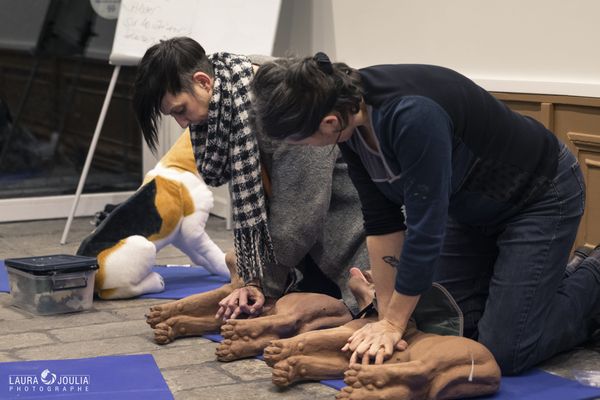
52,284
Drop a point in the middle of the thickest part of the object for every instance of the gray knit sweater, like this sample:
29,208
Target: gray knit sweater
313,210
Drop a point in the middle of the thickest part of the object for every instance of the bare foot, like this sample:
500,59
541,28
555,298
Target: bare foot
361,286
182,326
243,338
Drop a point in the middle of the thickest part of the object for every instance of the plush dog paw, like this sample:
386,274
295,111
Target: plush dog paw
154,283
127,263
126,269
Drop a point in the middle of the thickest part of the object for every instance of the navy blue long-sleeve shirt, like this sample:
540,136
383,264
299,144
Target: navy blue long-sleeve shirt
445,147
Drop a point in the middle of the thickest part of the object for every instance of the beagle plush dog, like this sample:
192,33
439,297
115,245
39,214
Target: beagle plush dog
171,207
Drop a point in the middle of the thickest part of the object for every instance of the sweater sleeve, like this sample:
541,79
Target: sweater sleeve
417,133
380,215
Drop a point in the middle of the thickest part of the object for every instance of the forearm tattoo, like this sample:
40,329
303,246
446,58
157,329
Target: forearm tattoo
393,261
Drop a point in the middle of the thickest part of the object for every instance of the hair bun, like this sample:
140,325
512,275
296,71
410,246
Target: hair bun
323,62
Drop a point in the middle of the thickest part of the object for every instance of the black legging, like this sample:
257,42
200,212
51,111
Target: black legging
315,281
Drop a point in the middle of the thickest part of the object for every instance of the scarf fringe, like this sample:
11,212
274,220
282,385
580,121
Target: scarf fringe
254,250
226,150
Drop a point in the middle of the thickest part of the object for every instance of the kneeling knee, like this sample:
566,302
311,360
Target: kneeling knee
506,357
509,366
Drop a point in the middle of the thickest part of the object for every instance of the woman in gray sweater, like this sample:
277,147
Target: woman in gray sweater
307,231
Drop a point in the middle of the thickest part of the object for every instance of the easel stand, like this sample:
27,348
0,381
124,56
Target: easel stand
90,155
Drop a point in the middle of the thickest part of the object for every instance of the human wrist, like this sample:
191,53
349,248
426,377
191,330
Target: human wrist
254,283
399,309
397,326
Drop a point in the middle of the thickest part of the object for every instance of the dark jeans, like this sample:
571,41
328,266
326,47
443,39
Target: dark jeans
510,281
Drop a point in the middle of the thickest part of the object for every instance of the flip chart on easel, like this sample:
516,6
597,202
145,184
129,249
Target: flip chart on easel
235,26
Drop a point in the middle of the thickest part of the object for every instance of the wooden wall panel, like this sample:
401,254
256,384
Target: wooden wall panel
588,154
590,232
576,118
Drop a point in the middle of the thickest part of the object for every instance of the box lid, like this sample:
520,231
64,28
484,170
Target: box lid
52,264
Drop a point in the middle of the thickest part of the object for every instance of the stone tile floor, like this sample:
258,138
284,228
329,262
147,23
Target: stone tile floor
118,327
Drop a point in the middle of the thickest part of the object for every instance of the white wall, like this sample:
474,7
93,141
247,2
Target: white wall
529,46
304,26
532,46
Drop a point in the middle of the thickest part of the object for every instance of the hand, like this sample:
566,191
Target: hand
248,300
376,340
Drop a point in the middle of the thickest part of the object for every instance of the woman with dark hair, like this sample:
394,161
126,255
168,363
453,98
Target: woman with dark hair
275,251
455,188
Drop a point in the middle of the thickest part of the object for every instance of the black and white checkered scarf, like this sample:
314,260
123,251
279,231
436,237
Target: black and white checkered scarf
226,150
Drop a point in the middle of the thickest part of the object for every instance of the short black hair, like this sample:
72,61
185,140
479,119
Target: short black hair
167,67
291,96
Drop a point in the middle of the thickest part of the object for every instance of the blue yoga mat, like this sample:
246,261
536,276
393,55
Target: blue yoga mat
132,377
181,282
534,385
4,286
215,337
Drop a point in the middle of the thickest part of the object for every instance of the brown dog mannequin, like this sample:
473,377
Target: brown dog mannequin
290,315
293,314
431,367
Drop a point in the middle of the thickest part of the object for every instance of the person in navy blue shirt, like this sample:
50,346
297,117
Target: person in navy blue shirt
455,188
